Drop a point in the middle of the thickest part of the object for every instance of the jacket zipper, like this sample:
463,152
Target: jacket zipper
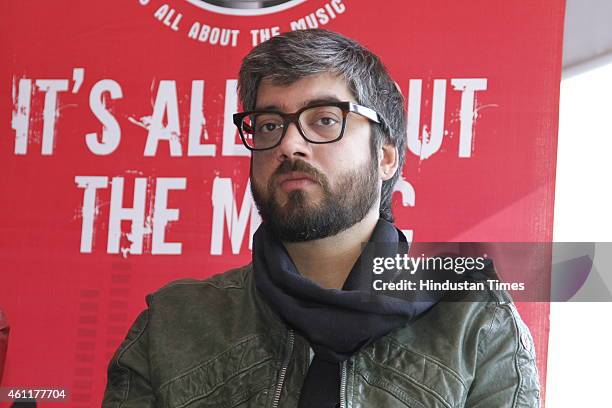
283,371
343,386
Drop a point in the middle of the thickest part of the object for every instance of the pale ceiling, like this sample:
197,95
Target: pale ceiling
587,40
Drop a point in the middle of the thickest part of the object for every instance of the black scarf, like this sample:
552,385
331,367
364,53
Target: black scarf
337,323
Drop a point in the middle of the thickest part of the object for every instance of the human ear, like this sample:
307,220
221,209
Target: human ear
388,161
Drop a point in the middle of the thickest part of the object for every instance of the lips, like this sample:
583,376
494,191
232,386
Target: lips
294,180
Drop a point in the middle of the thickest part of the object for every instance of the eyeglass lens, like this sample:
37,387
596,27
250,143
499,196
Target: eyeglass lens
319,124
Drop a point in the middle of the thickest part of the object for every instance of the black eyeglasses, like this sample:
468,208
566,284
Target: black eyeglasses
319,123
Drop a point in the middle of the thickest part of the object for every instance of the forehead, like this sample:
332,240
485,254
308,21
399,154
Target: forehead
313,88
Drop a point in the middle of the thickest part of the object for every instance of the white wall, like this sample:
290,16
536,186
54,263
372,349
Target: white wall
580,345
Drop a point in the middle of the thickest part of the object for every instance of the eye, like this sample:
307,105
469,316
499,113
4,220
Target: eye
326,121
268,127
322,118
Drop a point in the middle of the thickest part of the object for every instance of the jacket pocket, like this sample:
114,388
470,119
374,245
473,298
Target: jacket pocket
385,393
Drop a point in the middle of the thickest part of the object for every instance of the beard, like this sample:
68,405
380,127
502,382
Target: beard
339,208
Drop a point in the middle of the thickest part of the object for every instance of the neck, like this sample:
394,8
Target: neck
328,261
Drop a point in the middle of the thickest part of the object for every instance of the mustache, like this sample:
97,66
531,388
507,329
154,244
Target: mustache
289,166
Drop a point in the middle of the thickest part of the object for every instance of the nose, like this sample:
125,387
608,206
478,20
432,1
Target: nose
293,144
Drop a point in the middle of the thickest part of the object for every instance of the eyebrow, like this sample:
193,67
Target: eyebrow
310,102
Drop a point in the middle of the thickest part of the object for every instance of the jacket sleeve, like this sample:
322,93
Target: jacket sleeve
128,384
506,374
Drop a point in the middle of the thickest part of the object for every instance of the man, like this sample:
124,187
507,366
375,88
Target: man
300,326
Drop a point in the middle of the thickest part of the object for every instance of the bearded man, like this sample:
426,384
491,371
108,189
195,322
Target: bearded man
300,326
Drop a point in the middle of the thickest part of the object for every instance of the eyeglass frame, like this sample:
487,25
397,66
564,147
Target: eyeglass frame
289,118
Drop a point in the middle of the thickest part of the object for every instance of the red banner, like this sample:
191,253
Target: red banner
123,170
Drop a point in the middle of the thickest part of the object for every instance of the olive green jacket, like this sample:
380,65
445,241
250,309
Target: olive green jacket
217,343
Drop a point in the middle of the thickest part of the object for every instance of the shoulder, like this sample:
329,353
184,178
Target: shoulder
231,279
191,292
186,300
210,304
478,314
475,321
